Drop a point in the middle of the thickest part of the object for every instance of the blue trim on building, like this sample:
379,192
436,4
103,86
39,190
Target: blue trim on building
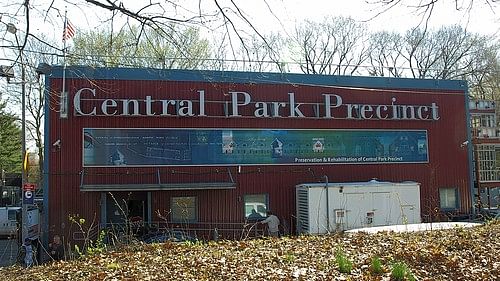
46,153
255,77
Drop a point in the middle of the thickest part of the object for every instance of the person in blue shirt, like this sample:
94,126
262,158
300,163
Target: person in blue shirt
254,216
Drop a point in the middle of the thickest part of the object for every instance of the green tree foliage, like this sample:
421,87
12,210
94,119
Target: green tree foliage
10,141
154,48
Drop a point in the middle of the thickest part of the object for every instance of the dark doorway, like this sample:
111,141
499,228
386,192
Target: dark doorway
126,206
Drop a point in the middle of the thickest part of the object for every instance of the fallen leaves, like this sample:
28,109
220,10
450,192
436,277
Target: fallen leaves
454,254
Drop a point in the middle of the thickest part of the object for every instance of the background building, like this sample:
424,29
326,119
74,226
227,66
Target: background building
10,189
486,140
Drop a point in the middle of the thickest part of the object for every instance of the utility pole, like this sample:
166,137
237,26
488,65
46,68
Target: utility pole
23,130
11,28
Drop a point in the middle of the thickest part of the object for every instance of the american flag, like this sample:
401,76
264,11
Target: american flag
69,30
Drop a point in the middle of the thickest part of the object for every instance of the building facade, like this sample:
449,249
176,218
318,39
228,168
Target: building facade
202,149
486,141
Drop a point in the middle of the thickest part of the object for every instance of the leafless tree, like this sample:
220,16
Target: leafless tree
385,54
486,84
334,46
220,60
425,8
165,17
448,53
35,52
265,57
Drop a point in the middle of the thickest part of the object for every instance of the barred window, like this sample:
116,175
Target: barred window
488,163
184,209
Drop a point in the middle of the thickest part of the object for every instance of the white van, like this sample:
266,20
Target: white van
8,220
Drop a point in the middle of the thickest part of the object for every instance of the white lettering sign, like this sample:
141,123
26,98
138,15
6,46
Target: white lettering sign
87,103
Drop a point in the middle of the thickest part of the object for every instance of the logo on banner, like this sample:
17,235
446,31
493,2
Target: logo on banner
28,197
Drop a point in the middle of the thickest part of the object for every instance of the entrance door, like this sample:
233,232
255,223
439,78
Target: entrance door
382,213
122,207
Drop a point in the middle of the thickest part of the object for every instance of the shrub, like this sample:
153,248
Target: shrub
98,246
376,266
289,258
400,271
345,265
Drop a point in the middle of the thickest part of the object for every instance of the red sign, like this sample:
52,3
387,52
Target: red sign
29,186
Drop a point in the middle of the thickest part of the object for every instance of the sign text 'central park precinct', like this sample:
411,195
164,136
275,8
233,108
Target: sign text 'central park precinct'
240,104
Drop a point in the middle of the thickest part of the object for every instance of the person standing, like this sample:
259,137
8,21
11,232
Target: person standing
28,253
56,249
272,224
254,216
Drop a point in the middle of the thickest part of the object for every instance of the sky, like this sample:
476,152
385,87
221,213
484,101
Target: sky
277,16
481,19
282,15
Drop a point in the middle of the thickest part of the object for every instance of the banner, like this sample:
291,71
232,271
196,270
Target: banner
190,147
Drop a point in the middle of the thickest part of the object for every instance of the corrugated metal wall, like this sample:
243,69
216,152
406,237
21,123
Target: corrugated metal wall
448,166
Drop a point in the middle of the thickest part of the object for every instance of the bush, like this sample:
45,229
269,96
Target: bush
345,265
400,271
376,266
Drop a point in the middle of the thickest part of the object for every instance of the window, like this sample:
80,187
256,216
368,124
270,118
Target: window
256,206
488,162
183,209
448,198
488,120
476,121
12,215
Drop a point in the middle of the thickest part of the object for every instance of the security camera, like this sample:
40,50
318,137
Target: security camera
464,143
57,143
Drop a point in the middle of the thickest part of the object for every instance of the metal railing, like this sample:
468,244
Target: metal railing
140,231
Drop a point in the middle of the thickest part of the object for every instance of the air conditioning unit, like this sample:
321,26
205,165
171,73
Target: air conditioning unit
330,207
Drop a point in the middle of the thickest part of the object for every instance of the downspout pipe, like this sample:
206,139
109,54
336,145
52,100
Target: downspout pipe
325,177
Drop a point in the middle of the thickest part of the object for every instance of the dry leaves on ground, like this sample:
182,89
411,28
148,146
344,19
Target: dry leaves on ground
454,254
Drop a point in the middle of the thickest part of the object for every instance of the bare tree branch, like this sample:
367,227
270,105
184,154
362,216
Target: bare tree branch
424,6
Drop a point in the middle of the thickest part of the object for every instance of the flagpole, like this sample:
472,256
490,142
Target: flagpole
64,56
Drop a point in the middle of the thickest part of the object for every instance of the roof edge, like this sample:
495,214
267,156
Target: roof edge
102,73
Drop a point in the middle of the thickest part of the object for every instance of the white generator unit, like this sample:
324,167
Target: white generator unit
330,207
